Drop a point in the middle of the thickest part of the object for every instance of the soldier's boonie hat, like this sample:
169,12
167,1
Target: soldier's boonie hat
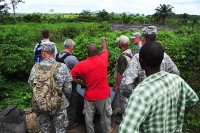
123,39
136,34
48,46
149,30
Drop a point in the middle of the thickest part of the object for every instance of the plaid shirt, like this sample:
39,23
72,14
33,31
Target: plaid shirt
157,105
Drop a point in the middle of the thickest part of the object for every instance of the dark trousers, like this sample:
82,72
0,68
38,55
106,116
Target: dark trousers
71,110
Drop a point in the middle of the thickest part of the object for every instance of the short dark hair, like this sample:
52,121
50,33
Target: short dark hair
92,50
45,33
149,37
152,54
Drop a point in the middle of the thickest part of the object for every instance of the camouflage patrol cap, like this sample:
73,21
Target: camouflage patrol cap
135,35
48,46
149,30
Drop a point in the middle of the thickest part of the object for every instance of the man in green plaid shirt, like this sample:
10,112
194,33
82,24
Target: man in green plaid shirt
158,103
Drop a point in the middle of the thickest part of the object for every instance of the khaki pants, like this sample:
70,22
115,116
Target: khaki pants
105,110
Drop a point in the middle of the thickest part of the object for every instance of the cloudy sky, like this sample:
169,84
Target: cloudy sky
146,7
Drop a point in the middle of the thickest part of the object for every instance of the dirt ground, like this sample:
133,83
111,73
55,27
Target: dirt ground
82,129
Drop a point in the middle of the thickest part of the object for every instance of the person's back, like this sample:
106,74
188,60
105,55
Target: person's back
70,60
62,78
37,48
94,75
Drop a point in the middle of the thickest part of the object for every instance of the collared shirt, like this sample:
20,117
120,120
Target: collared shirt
62,78
157,105
93,71
134,74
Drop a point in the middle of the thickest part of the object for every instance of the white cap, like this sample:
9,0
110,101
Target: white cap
123,39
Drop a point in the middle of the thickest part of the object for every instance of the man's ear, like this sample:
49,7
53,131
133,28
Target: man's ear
143,40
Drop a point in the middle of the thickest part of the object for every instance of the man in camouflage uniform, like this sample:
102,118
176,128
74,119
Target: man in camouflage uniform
122,63
136,40
134,74
70,60
63,80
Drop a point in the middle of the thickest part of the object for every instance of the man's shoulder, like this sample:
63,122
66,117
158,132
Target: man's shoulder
62,66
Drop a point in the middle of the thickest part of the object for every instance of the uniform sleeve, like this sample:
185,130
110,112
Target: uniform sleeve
131,73
31,76
122,64
55,52
135,114
170,65
63,79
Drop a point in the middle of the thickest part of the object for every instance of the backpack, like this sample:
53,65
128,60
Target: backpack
46,96
12,120
37,53
63,58
127,54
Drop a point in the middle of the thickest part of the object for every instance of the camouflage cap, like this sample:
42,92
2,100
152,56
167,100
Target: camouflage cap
48,46
136,34
149,30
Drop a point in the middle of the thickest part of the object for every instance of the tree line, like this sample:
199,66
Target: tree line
163,15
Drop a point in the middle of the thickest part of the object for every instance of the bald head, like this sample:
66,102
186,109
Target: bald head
92,50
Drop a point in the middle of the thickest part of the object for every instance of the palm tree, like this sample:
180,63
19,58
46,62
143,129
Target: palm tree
162,12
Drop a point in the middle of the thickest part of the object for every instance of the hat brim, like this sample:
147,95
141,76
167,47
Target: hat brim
132,37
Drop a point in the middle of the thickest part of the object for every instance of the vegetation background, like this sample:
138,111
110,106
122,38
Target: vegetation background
178,33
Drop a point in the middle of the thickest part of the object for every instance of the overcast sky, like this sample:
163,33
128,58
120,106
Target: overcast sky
146,7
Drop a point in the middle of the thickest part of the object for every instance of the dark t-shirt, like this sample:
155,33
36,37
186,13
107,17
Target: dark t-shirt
122,64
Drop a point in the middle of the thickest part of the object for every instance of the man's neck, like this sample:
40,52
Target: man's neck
45,39
67,50
123,49
150,71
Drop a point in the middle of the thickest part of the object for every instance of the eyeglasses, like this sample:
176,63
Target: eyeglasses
43,51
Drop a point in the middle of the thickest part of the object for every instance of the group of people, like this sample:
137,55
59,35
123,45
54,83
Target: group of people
149,93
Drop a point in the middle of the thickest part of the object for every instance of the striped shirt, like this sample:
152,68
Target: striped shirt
157,105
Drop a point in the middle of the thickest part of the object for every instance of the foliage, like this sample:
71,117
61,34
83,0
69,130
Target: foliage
16,93
32,18
103,15
162,13
85,15
3,11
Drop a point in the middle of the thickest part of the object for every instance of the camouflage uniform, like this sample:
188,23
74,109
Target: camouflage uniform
138,47
63,80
